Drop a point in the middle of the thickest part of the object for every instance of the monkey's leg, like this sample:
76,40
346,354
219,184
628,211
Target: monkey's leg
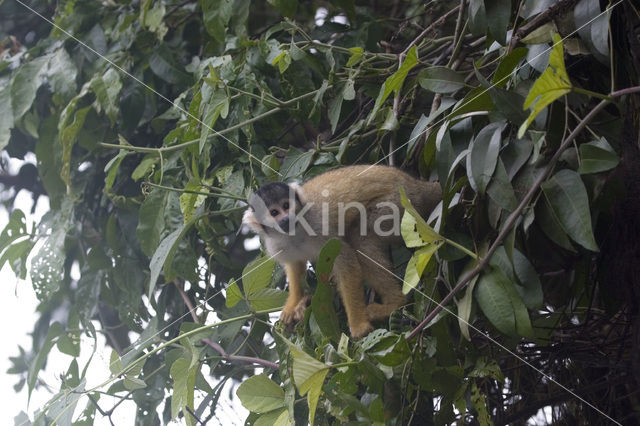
348,274
296,302
376,267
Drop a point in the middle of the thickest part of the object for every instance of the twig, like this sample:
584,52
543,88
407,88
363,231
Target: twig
557,9
283,105
513,217
223,194
216,346
239,358
187,301
426,31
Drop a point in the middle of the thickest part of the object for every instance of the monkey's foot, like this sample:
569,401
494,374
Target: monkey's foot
294,312
360,330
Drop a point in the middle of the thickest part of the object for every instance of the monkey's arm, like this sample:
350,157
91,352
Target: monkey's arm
296,302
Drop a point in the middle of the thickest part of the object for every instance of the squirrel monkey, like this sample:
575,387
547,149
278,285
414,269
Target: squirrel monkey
361,206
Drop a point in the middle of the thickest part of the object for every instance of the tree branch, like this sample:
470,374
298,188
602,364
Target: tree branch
239,358
557,9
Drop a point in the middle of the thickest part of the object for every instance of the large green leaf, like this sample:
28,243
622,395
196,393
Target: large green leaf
260,394
569,203
481,161
42,352
395,81
257,275
184,380
151,221
499,14
25,83
163,254
502,305
308,374
322,300
440,80
597,156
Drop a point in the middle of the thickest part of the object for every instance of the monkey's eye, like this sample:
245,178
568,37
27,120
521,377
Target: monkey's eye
274,212
285,205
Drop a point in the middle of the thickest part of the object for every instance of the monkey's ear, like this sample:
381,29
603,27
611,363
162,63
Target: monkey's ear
299,193
249,219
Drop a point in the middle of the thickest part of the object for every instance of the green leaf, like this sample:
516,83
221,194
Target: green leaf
530,288
184,381
569,204
356,56
501,304
542,34
477,99
69,343
283,60
286,7
260,394
234,295
67,137
335,107
164,66
593,27
440,80
267,298
493,298
426,232
477,17
216,15
107,89
48,265
16,228
153,19
499,13
552,84
308,375
500,189
395,81
17,255
482,160
6,116
464,307
508,65
416,265
189,202
597,156
24,85
257,275
111,169
322,300
163,253
551,226
388,348
41,356
295,164
151,221
115,364
279,417
133,383
479,402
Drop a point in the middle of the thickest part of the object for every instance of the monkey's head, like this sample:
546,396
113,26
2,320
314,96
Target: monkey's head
273,207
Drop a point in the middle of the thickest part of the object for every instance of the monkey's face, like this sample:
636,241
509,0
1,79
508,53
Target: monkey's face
273,208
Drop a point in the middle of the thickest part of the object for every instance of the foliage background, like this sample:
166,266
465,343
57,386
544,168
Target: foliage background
151,122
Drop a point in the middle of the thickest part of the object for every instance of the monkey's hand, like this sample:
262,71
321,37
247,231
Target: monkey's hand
293,310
